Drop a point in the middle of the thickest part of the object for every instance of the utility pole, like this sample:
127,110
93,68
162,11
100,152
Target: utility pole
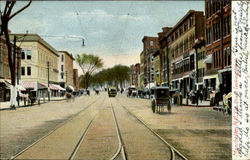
48,82
17,73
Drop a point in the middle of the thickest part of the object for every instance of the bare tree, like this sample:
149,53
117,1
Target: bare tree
6,16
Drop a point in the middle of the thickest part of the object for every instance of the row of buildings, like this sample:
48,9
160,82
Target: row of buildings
37,63
193,54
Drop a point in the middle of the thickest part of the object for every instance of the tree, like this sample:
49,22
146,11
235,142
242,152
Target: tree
111,76
6,16
88,63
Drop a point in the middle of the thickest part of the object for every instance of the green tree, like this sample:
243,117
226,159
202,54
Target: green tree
89,64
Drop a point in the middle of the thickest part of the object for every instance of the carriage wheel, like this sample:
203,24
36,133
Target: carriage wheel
153,106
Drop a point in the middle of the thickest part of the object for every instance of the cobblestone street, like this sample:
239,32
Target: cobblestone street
85,129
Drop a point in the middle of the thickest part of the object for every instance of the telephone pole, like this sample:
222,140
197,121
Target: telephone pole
48,82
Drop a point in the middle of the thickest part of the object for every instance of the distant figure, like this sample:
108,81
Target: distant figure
122,90
96,92
88,93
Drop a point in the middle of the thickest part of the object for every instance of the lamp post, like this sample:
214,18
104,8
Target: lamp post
48,81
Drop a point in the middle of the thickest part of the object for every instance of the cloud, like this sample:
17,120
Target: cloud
129,17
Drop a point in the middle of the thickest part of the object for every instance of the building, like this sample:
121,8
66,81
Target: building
5,75
66,69
76,79
165,64
199,46
150,46
137,73
39,64
218,46
180,42
157,68
132,75
141,79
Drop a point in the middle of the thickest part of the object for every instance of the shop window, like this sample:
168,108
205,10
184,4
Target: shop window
28,71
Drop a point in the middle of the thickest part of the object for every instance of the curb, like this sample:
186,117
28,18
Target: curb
4,109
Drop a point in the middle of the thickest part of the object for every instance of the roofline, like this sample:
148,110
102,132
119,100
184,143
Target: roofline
40,40
181,20
70,55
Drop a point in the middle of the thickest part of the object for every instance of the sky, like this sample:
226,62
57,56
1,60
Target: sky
112,30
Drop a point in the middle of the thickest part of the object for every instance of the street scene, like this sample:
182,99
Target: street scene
116,80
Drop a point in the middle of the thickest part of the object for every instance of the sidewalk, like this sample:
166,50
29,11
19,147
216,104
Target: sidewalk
200,104
6,105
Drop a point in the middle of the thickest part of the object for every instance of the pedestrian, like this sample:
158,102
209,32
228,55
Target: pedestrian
201,95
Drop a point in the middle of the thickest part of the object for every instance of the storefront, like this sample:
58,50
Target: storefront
4,90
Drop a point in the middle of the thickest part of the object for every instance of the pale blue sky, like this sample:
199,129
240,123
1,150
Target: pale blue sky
113,30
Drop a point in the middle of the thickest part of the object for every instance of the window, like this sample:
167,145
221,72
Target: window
191,62
28,53
61,76
228,25
151,43
22,54
229,56
22,71
180,30
176,35
185,27
62,58
225,56
191,22
28,71
62,68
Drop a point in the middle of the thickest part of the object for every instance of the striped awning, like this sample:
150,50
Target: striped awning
51,86
27,84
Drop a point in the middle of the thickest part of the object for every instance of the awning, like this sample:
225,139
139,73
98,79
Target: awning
28,85
51,86
208,59
21,88
59,87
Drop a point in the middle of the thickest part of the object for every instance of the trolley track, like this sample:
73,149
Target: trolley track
121,148
58,127
175,154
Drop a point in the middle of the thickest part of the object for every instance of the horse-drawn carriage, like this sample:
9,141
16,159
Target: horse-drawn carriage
160,98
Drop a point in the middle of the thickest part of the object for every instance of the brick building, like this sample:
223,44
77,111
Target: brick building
76,79
218,45
180,42
5,71
141,79
164,50
150,46
67,69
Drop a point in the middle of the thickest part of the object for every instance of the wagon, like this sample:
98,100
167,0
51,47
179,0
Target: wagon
160,98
